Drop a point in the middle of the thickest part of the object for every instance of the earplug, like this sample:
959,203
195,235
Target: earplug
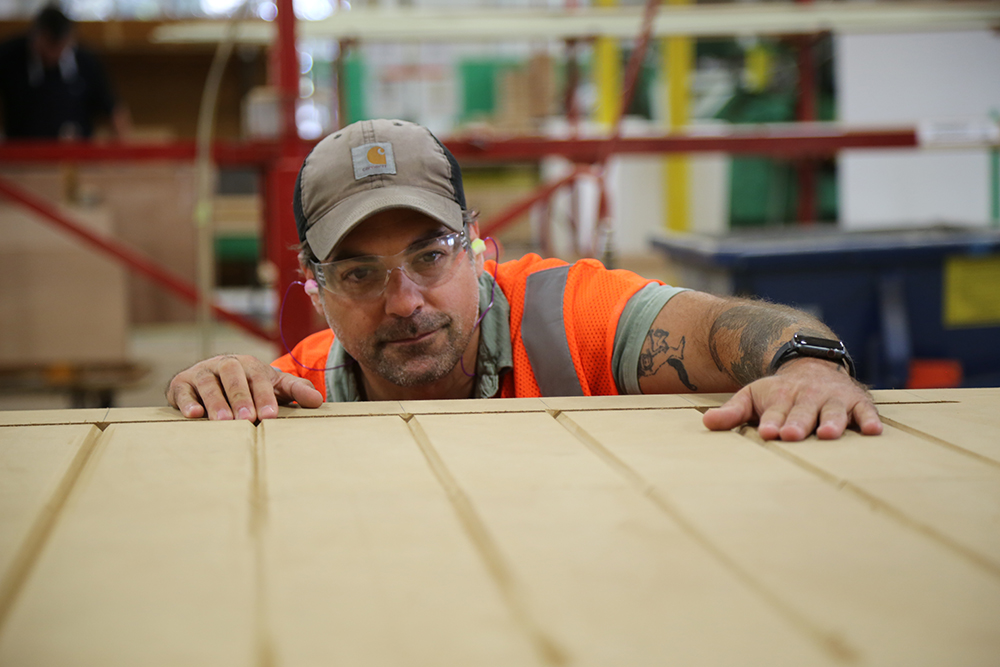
478,246
311,287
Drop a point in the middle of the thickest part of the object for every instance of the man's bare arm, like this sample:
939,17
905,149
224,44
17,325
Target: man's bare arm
704,343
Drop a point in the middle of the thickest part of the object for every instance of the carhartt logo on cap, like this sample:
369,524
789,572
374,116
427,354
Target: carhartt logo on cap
373,159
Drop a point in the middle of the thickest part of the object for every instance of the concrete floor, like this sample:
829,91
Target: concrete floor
169,348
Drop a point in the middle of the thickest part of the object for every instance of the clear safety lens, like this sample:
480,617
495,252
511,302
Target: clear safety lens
426,263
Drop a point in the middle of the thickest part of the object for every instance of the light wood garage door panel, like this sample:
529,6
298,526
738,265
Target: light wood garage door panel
605,574
946,492
37,468
366,561
970,425
888,591
149,562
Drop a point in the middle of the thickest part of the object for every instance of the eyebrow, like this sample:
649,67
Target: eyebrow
340,255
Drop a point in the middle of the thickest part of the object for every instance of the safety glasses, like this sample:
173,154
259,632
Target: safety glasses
426,263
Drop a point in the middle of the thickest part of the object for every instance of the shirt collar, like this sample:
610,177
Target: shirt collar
67,66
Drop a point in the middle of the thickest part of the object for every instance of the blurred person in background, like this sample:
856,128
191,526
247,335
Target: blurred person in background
51,87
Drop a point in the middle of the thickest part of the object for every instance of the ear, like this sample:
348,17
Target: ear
315,296
478,258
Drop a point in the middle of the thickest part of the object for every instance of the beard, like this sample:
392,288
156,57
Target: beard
418,363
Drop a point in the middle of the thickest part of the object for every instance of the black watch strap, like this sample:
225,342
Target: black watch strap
804,345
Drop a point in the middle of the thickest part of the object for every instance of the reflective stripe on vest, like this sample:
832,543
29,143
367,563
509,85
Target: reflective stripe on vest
543,332
327,375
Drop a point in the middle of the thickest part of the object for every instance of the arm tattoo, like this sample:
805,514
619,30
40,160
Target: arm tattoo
757,327
659,352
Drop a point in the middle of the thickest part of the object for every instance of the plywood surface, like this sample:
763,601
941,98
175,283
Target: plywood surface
528,532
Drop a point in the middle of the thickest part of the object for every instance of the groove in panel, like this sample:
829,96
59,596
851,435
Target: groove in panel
366,561
880,396
972,425
952,495
38,467
152,414
53,417
990,395
894,594
633,402
473,405
613,579
151,560
358,409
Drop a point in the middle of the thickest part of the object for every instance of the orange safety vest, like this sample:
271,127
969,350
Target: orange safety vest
563,319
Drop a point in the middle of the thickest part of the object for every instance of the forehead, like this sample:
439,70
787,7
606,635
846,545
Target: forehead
387,233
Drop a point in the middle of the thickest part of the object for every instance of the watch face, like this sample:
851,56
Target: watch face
820,347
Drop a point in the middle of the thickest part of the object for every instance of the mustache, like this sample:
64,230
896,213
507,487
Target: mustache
411,327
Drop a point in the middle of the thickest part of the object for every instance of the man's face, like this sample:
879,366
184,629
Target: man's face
50,49
409,335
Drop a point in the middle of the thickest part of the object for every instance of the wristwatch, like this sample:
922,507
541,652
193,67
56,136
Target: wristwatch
803,345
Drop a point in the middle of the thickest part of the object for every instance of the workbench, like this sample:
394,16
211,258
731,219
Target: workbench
558,531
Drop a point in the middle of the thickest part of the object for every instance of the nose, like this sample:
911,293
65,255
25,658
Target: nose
403,297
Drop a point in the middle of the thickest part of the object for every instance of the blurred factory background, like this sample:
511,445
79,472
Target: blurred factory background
838,156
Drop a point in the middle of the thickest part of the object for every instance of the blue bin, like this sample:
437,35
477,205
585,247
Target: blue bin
881,292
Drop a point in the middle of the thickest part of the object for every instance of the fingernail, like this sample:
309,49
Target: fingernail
244,413
267,412
223,415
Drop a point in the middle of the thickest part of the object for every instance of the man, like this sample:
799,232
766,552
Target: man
52,88
393,261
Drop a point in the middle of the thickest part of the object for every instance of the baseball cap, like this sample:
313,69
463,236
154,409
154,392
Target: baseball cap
371,166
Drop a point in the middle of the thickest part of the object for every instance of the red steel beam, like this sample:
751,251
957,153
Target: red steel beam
784,141
522,206
634,65
224,153
125,254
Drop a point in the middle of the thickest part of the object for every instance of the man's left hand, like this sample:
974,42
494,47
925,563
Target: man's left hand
804,396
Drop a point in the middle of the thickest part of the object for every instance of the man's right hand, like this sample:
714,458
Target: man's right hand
234,386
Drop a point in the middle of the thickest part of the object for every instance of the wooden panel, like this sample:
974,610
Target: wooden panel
359,409
962,395
366,561
881,397
473,405
39,417
37,468
879,589
603,574
952,494
706,400
136,415
970,424
618,402
150,562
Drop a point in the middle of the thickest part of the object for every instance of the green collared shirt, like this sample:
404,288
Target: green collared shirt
495,357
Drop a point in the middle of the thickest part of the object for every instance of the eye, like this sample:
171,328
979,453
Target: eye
357,274
429,257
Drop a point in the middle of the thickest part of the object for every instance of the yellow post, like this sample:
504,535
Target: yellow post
607,75
677,58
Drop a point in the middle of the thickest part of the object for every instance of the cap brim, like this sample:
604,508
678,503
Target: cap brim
324,235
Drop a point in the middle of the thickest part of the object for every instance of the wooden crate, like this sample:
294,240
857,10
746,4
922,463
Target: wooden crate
59,302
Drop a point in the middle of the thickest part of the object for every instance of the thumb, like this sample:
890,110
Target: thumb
734,412
289,388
